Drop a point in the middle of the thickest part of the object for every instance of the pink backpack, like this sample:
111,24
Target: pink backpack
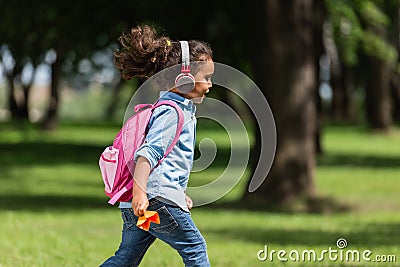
117,164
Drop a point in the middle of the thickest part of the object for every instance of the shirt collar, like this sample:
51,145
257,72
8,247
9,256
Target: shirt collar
174,96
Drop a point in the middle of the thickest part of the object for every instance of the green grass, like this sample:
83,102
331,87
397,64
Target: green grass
53,211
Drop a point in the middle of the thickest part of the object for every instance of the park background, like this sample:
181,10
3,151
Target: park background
329,70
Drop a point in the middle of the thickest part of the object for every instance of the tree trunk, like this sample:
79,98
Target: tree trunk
378,101
377,88
341,80
12,102
395,91
51,119
342,85
319,19
18,107
285,71
394,13
26,88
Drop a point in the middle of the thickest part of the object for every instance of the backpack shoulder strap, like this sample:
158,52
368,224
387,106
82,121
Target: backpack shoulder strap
178,128
115,198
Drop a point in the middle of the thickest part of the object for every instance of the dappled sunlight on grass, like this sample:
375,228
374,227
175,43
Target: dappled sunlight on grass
54,212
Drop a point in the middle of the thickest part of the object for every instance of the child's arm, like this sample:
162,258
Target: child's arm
139,200
189,202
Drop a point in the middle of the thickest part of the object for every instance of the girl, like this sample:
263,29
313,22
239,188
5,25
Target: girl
163,190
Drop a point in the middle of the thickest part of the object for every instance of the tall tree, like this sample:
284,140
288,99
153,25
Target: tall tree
342,38
75,32
380,66
71,31
341,78
20,49
392,8
366,57
285,71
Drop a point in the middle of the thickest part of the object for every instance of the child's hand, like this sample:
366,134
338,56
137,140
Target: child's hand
189,202
139,203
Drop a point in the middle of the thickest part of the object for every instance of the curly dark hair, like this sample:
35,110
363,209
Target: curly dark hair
143,53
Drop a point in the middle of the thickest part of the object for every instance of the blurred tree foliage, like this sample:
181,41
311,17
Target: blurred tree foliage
349,19
365,55
55,33
61,34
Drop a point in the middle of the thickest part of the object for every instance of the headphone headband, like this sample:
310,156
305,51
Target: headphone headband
185,81
185,56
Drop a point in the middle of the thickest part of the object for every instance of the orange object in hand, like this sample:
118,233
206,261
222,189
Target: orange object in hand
148,217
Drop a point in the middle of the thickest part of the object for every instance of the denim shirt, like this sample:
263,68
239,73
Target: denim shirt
169,180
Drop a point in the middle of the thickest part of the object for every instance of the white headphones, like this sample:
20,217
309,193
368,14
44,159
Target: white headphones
185,81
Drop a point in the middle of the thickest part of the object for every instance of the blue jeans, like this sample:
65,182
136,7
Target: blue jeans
176,228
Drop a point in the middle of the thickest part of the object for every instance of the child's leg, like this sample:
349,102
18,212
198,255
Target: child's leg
179,231
134,244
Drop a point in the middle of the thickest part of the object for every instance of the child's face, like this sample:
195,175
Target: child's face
203,83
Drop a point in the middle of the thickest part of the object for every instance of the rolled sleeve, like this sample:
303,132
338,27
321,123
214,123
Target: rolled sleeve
162,129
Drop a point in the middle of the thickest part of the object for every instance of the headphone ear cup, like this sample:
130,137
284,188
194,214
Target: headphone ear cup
185,83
